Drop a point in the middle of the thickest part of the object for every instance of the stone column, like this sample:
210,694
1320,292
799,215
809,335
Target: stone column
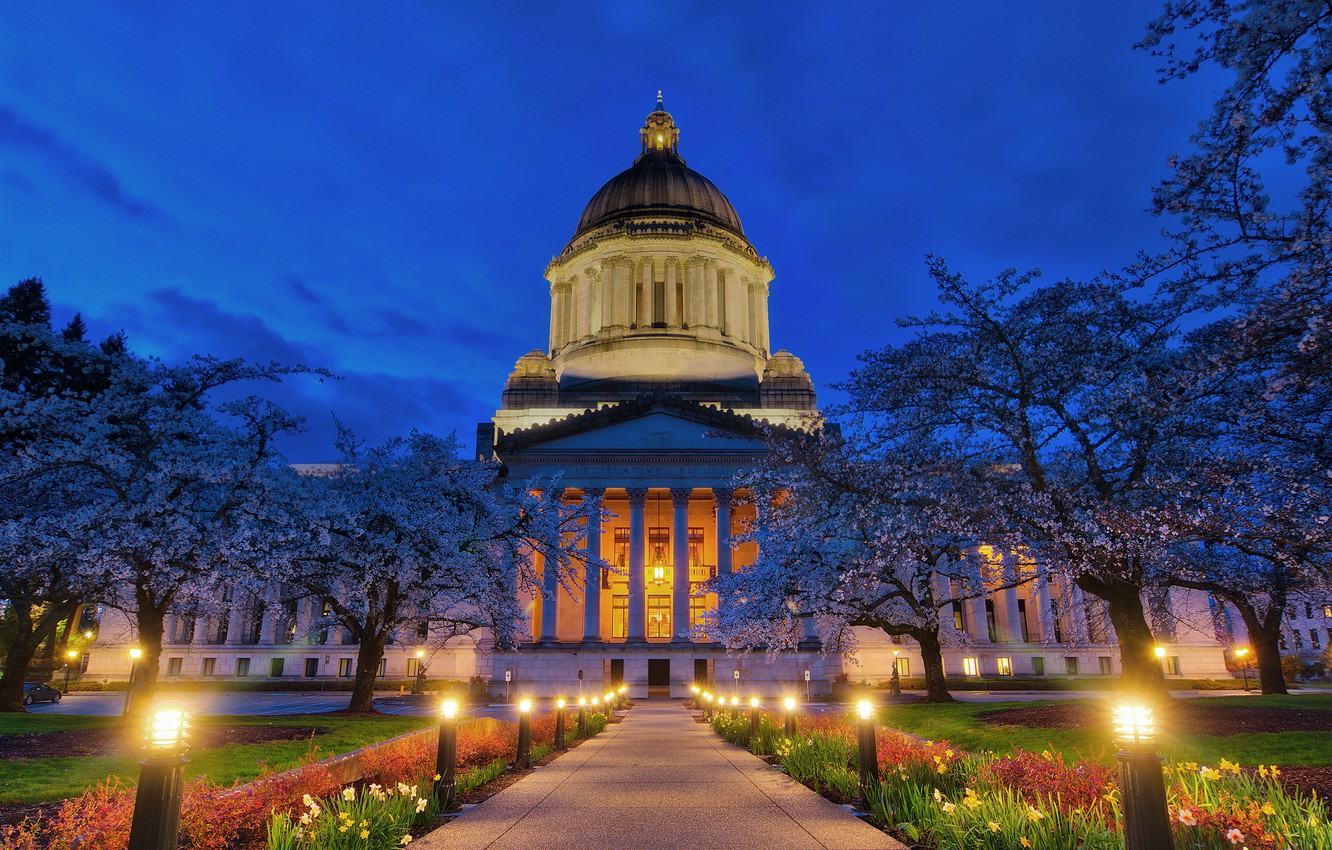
680,584
637,631
1046,611
1077,606
235,618
268,620
304,614
645,302
607,285
694,311
550,596
672,303
592,574
1012,616
722,495
977,623
710,295
761,319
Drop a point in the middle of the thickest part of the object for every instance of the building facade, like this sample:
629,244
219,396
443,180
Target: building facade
659,361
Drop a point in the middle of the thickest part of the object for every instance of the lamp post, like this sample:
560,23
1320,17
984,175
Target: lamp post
525,734
1242,653
135,654
790,705
156,820
582,717
69,662
446,755
735,692
419,685
1141,785
1160,652
867,760
895,683
559,724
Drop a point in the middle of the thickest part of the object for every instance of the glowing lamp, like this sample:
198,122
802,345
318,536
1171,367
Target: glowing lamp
559,703
623,688
449,709
524,706
1134,725
72,654
167,728
694,689
420,653
735,700
707,696
1160,652
865,709
610,695
1242,651
753,702
596,701
790,703
582,700
136,653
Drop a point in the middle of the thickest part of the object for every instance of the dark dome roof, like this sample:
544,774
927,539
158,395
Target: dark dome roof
659,182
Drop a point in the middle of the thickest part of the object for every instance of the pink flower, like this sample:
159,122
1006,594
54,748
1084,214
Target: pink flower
1186,817
1234,836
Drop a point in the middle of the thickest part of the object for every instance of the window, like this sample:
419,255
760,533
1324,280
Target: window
619,616
903,666
1308,611
696,548
959,619
173,666
209,665
970,667
242,666
619,559
1022,615
275,667
345,668
1071,666
1106,667
659,616
1054,619
990,630
1037,665
383,668
1172,666
1299,641
413,668
311,668
659,548
698,606
1005,666
1327,612
1313,639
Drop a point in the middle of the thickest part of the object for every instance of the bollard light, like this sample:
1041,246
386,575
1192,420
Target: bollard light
867,751
525,734
582,717
559,724
156,819
790,705
735,708
446,756
753,719
1141,783
707,705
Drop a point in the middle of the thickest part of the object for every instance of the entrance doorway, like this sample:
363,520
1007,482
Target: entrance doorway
701,677
659,677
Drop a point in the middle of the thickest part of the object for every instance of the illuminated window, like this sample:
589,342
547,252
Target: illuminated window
696,548
1107,667
659,547
659,616
959,621
698,606
970,667
1172,666
619,559
173,666
1327,612
413,667
1037,665
345,668
1005,666
1071,666
990,628
903,666
619,616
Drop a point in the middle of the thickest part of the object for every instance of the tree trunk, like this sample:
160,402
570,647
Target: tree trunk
151,623
1142,672
1265,635
369,655
18,656
931,660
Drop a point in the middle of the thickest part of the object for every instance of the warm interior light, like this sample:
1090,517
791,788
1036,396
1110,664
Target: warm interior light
136,653
167,728
449,708
1160,652
524,706
753,702
1134,724
559,703
790,704
865,709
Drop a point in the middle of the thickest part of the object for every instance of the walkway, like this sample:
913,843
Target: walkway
656,780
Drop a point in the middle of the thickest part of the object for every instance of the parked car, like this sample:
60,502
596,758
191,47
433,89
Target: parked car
37,692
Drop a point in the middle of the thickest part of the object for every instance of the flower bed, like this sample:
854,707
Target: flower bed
933,795
217,817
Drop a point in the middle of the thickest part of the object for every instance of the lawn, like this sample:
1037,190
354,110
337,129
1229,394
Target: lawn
43,779
959,724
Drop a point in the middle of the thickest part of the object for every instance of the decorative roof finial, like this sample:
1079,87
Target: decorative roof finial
660,108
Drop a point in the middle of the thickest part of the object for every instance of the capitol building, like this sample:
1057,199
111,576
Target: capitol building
660,359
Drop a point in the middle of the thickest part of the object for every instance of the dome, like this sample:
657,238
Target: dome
659,183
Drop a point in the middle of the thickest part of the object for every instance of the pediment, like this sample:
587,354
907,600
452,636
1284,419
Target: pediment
642,425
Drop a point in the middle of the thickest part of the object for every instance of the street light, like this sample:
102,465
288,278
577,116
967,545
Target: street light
559,724
1242,653
446,755
525,734
135,654
156,819
895,683
790,705
419,685
1141,784
867,750
71,655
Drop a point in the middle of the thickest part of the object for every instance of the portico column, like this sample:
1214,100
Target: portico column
680,543
267,619
1046,610
592,574
723,499
637,632
978,624
235,618
1012,616
550,595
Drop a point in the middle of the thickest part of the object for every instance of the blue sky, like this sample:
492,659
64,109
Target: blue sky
377,190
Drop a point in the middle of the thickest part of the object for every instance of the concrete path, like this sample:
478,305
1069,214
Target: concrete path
656,780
